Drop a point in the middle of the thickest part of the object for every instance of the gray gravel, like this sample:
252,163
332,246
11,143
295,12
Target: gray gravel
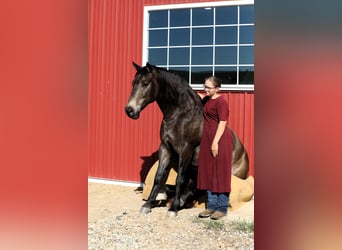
114,222
157,231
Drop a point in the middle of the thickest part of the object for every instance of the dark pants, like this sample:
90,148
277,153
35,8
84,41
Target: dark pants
218,201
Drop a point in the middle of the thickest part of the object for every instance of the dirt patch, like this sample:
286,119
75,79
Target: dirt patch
114,222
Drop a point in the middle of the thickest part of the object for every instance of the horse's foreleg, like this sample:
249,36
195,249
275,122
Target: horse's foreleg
159,179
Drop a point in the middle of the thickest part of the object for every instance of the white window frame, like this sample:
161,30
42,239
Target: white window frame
237,87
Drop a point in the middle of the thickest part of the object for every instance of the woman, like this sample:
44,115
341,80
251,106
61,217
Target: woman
215,157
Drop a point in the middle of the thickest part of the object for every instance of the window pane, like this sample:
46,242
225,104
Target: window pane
227,74
226,55
226,35
179,18
247,14
157,38
179,37
226,15
179,56
181,71
202,56
157,56
202,36
158,19
246,75
198,74
202,16
246,34
246,54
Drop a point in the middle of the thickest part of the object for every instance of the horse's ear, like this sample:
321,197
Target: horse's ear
149,67
136,66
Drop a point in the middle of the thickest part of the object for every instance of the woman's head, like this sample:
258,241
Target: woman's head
212,85
216,82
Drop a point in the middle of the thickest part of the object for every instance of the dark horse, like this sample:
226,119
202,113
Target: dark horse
180,131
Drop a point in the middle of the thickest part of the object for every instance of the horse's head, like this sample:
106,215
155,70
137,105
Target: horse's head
145,90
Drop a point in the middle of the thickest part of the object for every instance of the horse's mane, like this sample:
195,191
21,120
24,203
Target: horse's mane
178,89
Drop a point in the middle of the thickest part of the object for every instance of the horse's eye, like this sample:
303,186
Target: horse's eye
145,84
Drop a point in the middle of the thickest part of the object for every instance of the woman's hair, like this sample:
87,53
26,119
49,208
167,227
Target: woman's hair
215,80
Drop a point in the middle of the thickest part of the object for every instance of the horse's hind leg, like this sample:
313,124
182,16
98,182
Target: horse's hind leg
240,161
159,179
190,189
191,175
240,167
184,161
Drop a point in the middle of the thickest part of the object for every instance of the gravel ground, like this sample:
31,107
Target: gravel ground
114,222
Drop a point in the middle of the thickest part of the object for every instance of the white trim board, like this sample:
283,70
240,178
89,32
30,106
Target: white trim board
114,182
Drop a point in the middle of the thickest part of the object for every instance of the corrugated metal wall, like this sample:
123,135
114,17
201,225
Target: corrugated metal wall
121,148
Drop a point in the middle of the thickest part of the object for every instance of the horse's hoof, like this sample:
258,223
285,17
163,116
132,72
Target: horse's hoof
145,210
172,214
181,202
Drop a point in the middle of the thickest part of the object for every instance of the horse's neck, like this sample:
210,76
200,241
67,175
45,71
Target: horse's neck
167,101
172,98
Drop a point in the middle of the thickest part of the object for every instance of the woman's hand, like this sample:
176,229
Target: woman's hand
219,132
214,149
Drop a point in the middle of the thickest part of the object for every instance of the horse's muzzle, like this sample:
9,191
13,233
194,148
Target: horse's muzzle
131,113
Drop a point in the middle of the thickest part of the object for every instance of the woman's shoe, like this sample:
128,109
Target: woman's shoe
217,215
206,213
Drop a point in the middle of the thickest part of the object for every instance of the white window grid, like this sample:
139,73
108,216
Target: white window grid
147,9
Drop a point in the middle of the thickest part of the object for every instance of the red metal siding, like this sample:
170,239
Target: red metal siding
118,145
115,32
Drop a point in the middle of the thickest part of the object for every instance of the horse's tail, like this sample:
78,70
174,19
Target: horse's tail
240,160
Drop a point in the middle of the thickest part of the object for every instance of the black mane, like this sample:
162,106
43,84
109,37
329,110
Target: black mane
176,90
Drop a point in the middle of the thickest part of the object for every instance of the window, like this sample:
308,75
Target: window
203,39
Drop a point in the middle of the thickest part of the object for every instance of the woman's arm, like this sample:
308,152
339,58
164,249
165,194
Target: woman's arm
219,132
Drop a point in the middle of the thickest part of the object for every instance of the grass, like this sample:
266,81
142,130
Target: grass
243,226
215,225
239,225
210,224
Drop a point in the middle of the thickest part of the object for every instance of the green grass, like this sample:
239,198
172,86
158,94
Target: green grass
243,226
239,225
215,225
210,224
